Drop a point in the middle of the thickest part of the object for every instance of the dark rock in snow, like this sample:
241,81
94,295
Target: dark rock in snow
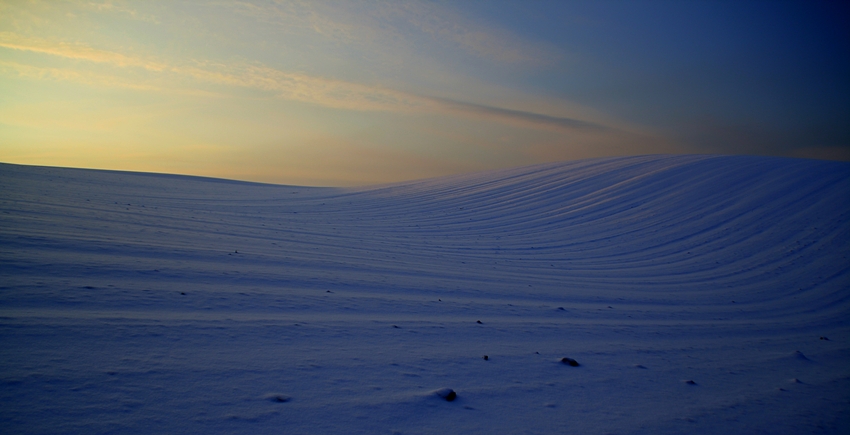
277,398
561,309
690,382
486,358
824,338
570,362
478,322
446,393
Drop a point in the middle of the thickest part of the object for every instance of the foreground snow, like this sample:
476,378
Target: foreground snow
692,290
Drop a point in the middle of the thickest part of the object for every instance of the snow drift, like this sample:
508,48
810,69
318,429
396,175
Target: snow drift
699,294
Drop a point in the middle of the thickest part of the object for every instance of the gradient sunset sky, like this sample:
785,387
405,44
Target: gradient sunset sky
343,93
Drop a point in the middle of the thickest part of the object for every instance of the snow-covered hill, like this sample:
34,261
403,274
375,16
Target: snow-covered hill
700,294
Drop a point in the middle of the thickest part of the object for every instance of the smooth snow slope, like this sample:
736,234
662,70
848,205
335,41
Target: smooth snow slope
143,303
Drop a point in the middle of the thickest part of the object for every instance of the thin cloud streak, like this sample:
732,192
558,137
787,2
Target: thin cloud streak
34,72
353,23
74,51
338,94
519,116
293,86
448,25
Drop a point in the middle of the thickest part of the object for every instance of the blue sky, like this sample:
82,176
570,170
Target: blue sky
360,92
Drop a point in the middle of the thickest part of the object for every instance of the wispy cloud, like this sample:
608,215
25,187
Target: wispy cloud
325,19
119,7
393,26
94,79
63,74
448,25
75,51
302,87
519,116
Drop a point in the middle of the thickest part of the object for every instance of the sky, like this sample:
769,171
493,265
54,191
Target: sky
345,93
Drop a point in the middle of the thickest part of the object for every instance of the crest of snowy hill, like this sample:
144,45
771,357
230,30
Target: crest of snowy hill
698,294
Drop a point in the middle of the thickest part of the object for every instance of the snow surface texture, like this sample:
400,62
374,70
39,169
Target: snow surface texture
693,291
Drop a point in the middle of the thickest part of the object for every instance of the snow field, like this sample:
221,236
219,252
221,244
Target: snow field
141,303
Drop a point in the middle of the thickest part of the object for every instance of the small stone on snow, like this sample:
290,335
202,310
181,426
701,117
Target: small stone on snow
446,393
570,362
277,398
